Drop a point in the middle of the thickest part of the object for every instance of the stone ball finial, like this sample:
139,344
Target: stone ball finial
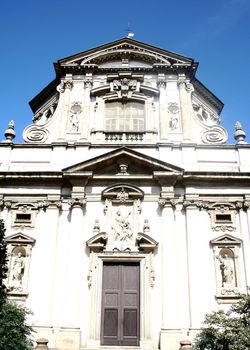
10,133
239,134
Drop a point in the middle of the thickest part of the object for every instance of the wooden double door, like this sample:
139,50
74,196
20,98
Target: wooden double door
120,324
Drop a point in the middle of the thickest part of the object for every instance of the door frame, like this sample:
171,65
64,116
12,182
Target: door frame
95,292
122,339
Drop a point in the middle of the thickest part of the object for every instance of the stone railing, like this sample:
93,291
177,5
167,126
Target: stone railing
42,344
123,137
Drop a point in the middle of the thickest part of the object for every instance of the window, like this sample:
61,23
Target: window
124,117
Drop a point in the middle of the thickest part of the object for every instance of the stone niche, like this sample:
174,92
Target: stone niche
227,260
19,248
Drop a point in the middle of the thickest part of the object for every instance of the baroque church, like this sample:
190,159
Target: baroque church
127,214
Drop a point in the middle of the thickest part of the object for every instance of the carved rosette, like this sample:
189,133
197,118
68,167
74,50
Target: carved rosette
35,134
215,135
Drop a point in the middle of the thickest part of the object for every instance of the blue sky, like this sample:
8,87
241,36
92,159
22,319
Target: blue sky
36,33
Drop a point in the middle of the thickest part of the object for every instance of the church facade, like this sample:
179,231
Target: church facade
127,214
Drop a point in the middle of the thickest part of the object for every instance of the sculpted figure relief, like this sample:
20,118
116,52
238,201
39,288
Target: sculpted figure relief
18,268
227,271
122,226
74,123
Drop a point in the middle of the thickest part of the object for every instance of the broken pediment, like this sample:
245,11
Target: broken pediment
123,162
98,242
226,241
145,242
126,53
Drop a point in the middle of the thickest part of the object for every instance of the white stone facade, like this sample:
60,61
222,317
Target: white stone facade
125,165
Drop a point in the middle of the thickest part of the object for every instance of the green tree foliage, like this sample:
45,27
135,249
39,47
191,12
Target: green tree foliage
226,330
15,334
14,331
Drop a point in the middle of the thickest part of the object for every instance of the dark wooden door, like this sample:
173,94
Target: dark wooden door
120,304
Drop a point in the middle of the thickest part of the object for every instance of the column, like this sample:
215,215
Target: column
185,89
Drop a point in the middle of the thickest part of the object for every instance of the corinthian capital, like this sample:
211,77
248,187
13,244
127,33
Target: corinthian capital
65,85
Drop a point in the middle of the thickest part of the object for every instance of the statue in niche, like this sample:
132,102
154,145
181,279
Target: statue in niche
122,226
74,123
18,268
227,271
173,122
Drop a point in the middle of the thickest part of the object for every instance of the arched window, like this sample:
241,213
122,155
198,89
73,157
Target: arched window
124,116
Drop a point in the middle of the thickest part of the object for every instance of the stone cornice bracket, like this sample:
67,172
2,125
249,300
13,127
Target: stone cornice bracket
77,203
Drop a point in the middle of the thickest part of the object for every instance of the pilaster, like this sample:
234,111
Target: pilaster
185,90
65,92
168,263
74,272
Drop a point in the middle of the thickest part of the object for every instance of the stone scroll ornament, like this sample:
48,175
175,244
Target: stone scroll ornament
35,134
215,134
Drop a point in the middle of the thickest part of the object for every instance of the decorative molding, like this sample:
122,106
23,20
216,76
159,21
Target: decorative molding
223,216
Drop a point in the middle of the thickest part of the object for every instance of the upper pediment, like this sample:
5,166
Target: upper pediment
125,53
123,162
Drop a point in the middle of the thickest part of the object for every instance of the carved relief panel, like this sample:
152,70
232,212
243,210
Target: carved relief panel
122,210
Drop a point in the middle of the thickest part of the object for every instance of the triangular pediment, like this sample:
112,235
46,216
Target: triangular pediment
123,162
138,53
20,238
225,240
